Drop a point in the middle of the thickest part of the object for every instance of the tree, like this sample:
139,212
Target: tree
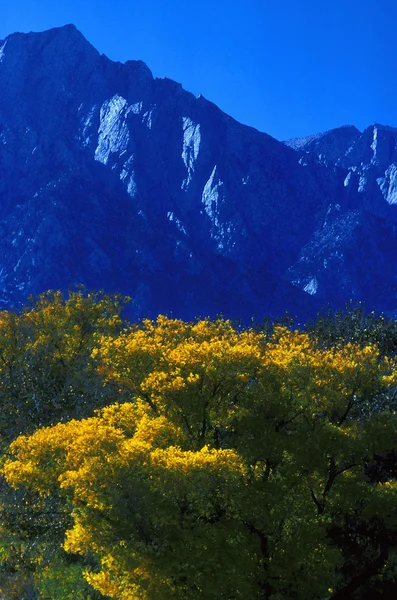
353,324
234,471
46,367
47,375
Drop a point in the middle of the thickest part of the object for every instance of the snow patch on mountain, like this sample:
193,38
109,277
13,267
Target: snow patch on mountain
136,108
113,133
2,53
362,183
388,184
191,147
347,179
374,145
148,118
210,197
223,232
87,125
127,176
178,223
311,286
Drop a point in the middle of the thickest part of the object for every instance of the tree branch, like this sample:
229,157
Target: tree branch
370,570
282,423
350,405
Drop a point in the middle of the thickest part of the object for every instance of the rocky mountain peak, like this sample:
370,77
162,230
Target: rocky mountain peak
328,146
68,35
119,181
377,145
63,44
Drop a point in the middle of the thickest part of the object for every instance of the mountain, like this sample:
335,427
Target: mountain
121,181
353,254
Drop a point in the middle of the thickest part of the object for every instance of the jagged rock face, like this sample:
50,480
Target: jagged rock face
117,180
353,253
328,146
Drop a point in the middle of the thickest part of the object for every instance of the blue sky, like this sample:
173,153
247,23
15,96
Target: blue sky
287,67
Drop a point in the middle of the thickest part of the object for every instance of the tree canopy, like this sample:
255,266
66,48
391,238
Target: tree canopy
223,464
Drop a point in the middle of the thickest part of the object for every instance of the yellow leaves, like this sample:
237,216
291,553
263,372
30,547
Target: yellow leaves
126,416
190,379
174,345
207,374
47,371
291,348
125,450
51,454
226,439
156,432
104,583
78,539
328,377
389,371
193,377
21,474
175,459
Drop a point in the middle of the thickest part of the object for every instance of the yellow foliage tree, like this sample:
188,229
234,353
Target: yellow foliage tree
47,375
230,471
45,358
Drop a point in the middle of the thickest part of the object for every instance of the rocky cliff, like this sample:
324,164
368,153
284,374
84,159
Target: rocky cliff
117,180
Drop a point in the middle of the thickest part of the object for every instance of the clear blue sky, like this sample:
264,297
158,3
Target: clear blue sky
287,67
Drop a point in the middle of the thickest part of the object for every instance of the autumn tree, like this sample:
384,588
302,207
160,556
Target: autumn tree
45,358
236,470
47,375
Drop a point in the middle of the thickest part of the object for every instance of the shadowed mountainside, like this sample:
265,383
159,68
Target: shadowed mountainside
117,180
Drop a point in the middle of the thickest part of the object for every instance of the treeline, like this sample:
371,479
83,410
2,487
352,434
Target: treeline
173,460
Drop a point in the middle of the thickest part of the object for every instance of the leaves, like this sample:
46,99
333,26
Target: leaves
46,367
227,464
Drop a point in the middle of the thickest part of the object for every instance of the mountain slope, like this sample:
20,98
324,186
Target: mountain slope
353,253
117,180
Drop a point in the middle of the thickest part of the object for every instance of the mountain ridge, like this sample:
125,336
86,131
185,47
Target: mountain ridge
118,180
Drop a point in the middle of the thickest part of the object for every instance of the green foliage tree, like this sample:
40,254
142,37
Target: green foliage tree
353,324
